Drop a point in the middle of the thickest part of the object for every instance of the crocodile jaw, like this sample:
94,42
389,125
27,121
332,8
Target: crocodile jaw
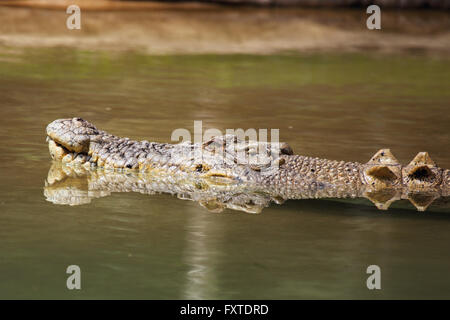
59,152
69,139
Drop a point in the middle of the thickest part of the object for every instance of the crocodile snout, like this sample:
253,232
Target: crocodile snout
72,134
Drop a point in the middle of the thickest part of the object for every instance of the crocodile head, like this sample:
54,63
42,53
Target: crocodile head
69,139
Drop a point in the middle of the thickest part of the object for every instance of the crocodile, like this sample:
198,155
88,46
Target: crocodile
77,185
229,169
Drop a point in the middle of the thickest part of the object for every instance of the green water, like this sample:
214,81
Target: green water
130,245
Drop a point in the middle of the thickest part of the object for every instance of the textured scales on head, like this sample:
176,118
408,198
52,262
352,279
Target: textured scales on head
69,139
73,134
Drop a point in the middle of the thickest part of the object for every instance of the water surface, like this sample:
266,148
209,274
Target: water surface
131,245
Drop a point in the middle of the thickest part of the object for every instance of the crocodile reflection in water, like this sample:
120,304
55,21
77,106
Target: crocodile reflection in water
221,179
68,185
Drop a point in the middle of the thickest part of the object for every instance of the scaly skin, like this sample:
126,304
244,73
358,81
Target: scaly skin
278,173
76,185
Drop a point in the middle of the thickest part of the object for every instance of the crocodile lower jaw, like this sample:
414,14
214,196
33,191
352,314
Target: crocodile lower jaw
60,153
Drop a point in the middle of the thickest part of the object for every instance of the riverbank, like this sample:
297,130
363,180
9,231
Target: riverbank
130,4
202,28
